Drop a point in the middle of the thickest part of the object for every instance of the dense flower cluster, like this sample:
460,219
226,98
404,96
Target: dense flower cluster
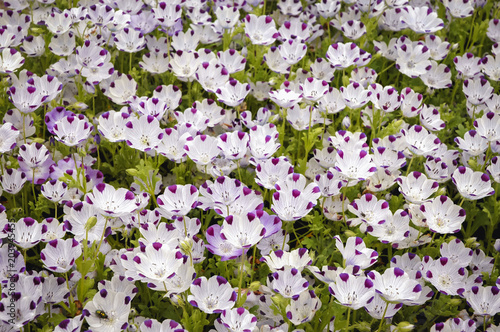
187,165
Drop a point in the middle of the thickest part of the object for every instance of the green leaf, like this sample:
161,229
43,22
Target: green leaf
84,288
396,202
194,322
392,128
132,172
461,130
345,80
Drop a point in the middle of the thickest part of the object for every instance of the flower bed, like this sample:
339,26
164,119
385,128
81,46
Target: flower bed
249,166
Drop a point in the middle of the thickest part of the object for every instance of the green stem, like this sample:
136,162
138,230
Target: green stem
77,169
343,202
239,171
297,139
72,301
324,126
33,187
190,88
102,237
284,239
24,127
383,318
380,120
253,260
328,29
283,127
226,39
98,157
455,88
24,256
121,55
348,318
386,68
461,202
25,199
165,286
84,179
487,157
409,165
44,112
469,42
186,234
130,63
13,199
432,239
469,224
297,240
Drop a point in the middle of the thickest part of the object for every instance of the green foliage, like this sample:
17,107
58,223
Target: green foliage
116,162
41,207
195,321
146,175
122,165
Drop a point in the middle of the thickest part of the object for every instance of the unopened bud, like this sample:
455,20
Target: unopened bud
38,140
349,233
473,164
404,326
186,246
90,223
346,122
441,192
471,242
345,80
132,171
254,286
279,301
37,31
178,299
80,106
497,245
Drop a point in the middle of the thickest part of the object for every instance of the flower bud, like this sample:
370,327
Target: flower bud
90,223
37,31
346,122
38,140
441,192
497,245
254,286
279,301
404,326
454,302
473,164
471,243
132,171
177,300
186,246
349,233
80,106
